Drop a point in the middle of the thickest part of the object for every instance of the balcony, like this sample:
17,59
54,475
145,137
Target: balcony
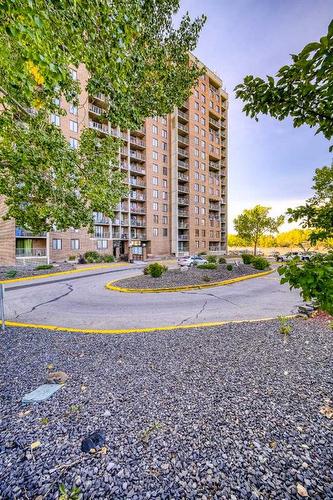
22,233
124,152
183,237
182,116
137,210
183,200
101,219
183,189
183,127
96,110
137,182
137,155
114,132
182,139
182,164
139,236
138,169
214,165
137,142
138,223
30,252
101,234
182,212
214,206
100,97
215,123
140,131
99,127
183,225
183,152
213,151
136,196
182,177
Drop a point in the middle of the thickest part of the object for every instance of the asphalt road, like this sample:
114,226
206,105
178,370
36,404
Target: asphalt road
83,302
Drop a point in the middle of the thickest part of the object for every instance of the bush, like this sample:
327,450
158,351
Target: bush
247,258
92,256
222,260
72,257
155,270
211,259
108,258
260,263
209,265
11,273
314,277
43,266
230,267
202,253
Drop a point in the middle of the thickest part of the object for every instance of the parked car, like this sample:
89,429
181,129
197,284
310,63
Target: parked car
288,256
191,261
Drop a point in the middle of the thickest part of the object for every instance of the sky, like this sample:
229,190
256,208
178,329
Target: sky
270,162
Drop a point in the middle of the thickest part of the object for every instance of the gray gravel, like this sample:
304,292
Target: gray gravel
30,270
188,276
229,412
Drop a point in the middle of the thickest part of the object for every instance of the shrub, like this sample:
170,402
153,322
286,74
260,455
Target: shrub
260,263
92,256
43,266
155,270
247,258
229,267
72,257
11,273
108,258
202,253
314,277
209,265
211,259
222,260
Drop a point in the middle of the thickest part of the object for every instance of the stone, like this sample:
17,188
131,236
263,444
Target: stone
42,393
57,377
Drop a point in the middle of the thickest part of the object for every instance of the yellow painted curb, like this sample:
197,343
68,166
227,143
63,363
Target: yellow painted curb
138,330
111,286
60,273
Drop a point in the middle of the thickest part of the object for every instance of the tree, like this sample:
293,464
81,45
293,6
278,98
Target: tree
303,90
134,56
293,238
253,223
236,241
317,213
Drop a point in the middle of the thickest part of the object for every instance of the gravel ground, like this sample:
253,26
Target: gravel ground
231,412
188,276
28,270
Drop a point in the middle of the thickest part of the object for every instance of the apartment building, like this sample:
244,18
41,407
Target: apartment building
176,168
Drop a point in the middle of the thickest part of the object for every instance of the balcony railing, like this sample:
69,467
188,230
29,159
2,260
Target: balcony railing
137,141
183,139
95,109
138,223
215,123
30,252
183,225
101,234
182,152
139,236
213,206
183,127
215,165
183,237
101,219
100,127
182,177
136,154
182,189
183,115
182,213
22,233
137,168
137,182
138,210
100,96
138,197
183,200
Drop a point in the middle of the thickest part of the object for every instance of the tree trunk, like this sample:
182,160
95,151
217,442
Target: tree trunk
255,248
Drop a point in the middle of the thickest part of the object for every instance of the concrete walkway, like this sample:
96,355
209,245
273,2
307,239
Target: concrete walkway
83,302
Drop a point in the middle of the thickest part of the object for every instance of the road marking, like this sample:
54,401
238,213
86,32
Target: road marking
139,330
61,273
111,286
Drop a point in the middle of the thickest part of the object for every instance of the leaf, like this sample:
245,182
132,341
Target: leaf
35,444
301,490
50,366
24,413
327,411
273,445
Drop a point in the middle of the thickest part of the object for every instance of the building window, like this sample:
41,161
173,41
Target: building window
203,98
203,132
165,158
165,146
203,211
155,205
196,221
73,126
196,198
203,144
155,218
155,155
57,244
196,175
73,110
75,244
203,244
165,231
155,193
203,87
102,244
165,207
56,101
196,210
164,219
165,171
155,143
196,141
196,105
196,129
165,195
203,121
197,244
155,168
203,233
196,152
164,120
155,181
196,187
196,164
203,110
155,231
164,133
203,222
196,117
73,73
155,129
55,119
196,93
164,183
74,143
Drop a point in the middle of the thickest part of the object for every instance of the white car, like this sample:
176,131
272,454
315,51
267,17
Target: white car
191,261
288,256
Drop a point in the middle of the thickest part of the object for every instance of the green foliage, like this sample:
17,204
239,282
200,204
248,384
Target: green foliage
230,267
92,257
155,270
73,494
236,241
317,213
222,260
260,263
247,258
212,259
108,258
202,253
253,223
293,238
133,55
74,408
209,265
303,90
43,266
72,257
11,273
314,278
284,327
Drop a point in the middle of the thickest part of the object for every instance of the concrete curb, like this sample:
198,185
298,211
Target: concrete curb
111,286
60,273
138,330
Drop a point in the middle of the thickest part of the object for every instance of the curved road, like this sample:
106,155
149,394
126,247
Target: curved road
83,302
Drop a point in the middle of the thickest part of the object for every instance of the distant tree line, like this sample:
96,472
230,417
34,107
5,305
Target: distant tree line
288,239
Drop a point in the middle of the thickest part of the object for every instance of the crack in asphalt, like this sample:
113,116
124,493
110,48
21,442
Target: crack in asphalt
70,289
195,316
212,295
